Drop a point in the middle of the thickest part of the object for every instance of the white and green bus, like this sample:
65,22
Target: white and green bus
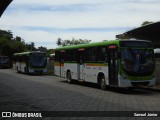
30,62
157,53
122,63
157,63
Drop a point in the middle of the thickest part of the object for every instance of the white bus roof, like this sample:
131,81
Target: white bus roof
157,50
51,55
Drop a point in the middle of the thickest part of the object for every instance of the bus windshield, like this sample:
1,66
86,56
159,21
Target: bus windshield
37,60
4,60
137,61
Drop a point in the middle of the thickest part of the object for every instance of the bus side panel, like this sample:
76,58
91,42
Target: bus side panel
73,69
18,66
62,70
23,67
14,65
90,73
92,70
57,68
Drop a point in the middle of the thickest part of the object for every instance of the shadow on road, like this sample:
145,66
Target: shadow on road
135,91
32,74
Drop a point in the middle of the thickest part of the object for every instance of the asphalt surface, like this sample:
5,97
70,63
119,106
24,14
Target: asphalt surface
21,92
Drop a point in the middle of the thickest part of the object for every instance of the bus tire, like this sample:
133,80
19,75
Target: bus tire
103,83
69,80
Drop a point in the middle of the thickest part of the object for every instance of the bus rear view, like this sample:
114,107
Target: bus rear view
4,62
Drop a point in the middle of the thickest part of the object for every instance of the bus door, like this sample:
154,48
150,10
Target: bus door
62,63
113,65
80,67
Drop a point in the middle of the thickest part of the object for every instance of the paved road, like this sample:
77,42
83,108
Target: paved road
20,92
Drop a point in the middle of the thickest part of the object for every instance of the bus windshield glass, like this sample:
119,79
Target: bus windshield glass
137,61
38,60
4,60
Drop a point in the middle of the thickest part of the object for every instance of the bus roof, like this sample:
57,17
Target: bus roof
26,53
157,50
105,42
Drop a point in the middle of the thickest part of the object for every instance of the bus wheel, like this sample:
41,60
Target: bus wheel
103,83
69,80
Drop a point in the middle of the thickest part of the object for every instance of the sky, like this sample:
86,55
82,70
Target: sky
44,21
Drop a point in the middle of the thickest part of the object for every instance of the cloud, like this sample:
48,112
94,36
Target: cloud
48,36
81,13
43,21
55,2
31,8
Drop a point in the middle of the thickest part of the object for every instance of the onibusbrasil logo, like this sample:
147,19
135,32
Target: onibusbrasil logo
21,114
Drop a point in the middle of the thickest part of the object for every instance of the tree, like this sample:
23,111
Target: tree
59,42
18,38
50,51
31,46
10,45
7,34
4,46
146,23
74,41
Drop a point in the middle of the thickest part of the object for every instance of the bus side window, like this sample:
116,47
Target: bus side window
22,58
157,55
91,54
14,58
102,53
74,55
80,55
57,56
87,54
18,58
70,55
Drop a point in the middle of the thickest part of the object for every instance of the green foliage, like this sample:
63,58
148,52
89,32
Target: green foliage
50,51
59,41
10,45
31,46
74,41
146,23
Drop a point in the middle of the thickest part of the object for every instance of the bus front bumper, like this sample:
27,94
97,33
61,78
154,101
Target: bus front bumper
38,71
128,83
